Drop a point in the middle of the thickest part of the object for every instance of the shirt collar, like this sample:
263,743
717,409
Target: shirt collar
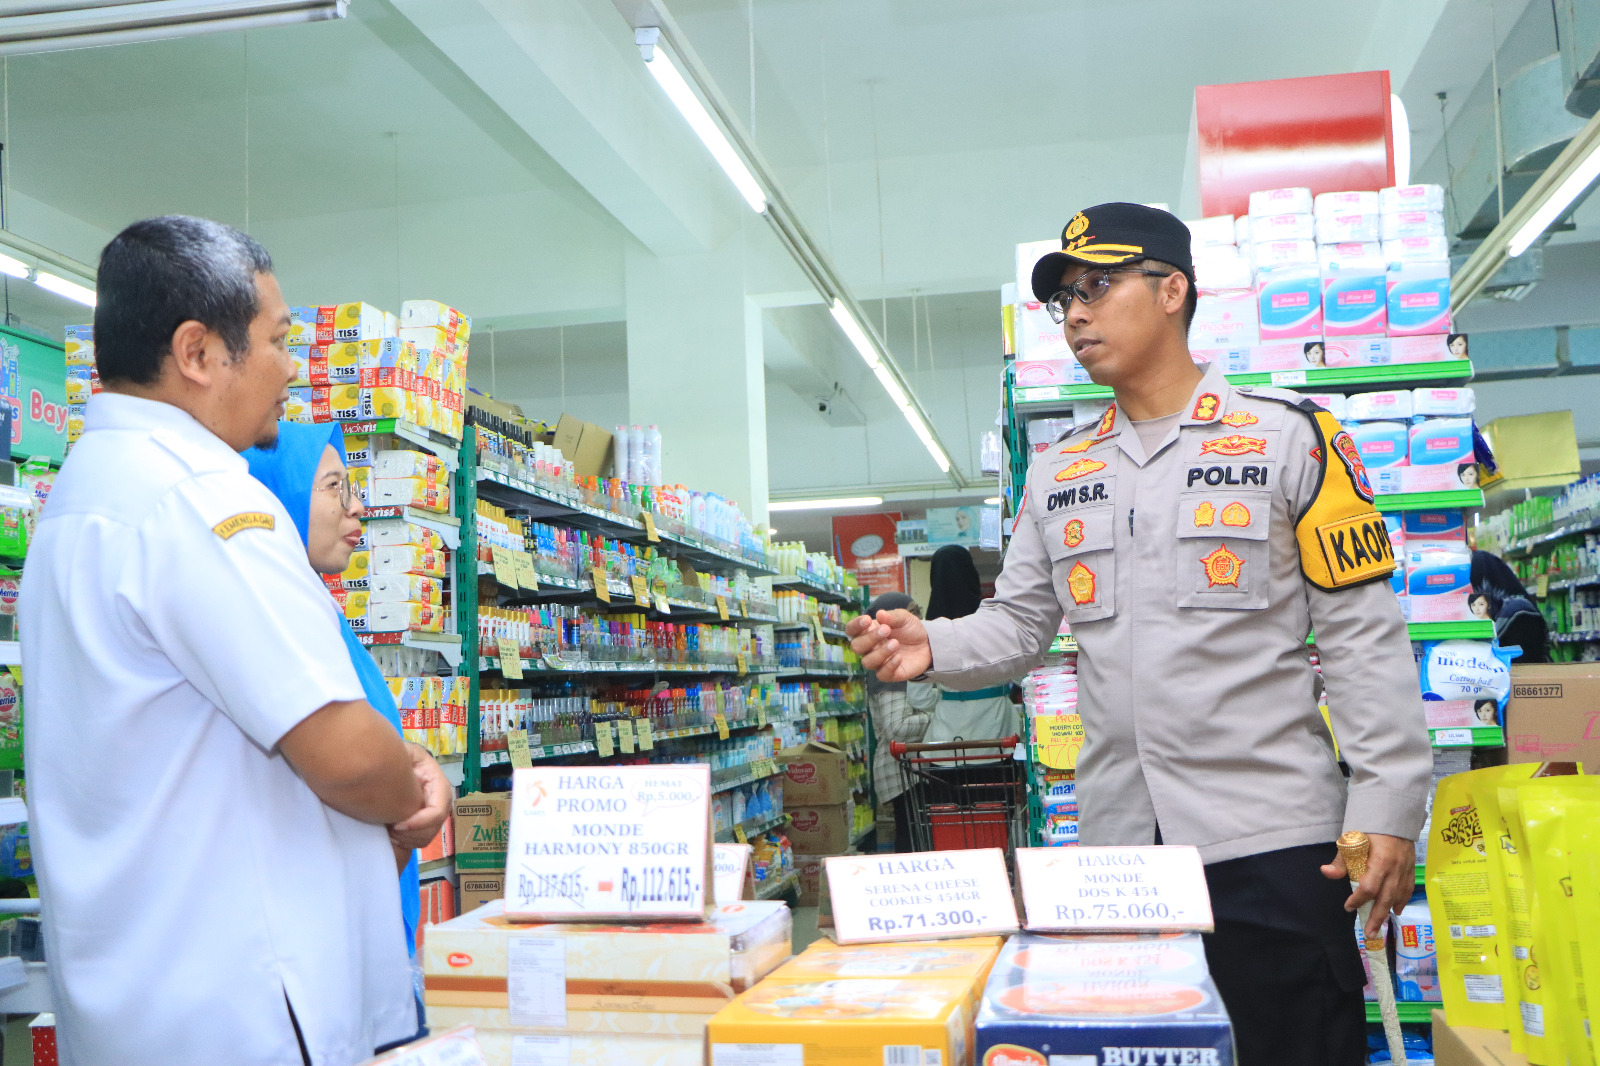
119,411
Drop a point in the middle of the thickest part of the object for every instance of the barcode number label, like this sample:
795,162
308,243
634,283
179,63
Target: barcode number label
1483,988
902,1055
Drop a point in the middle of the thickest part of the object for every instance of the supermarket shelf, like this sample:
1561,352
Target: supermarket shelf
1584,636
1577,581
542,666
1482,736
805,627
826,594
1586,523
581,593
774,889
752,827
541,504
32,996
1410,1013
448,526
790,672
1429,501
446,644
1478,629
845,711
446,448
10,653
1031,398
864,834
454,767
750,777
433,865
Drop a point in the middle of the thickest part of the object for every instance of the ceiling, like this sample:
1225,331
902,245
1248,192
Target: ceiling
508,156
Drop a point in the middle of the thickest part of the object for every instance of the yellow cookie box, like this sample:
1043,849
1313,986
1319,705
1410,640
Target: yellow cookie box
969,959
851,1022
609,1049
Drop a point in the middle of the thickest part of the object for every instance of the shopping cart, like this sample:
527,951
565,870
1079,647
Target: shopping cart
964,794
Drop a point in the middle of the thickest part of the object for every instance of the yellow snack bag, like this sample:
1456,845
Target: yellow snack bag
1535,1020
1583,834
1549,808
1467,910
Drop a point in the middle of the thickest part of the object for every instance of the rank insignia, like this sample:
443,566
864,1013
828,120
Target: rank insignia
1233,444
1082,446
1222,567
1236,514
1079,469
1204,515
1107,420
1080,582
1352,460
1072,534
1205,408
1239,419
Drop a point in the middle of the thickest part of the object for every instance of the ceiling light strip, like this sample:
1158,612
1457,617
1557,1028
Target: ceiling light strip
152,20
833,503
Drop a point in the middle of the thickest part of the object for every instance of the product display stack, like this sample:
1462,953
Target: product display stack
1553,545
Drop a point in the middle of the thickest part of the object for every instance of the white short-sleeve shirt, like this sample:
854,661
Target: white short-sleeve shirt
192,884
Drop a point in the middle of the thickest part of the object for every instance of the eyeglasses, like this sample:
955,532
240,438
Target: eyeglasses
1090,287
345,489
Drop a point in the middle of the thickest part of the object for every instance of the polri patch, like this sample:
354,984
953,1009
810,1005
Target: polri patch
1233,444
1080,468
1081,584
240,522
1222,567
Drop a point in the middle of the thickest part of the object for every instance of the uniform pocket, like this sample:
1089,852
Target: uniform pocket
1082,561
1222,556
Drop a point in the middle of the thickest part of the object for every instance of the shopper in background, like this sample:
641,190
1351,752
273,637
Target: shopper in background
1194,537
196,730
978,714
900,712
1517,622
305,470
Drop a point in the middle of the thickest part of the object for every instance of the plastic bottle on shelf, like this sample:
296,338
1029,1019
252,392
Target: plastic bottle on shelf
636,459
621,459
651,474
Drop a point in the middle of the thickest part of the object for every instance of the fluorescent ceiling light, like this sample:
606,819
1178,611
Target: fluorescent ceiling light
853,331
56,25
694,112
62,287
993,501
817,505
1400,132
1556,205
15,268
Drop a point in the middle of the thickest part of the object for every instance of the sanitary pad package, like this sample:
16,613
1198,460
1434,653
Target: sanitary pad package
1085,999
1445,527
1438,579
1411,198
1290,296
1280,201
1354,290
1419,297
1441,456
1393,405
1384,448
1443,402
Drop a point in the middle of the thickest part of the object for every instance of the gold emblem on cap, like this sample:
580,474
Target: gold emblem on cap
1079,223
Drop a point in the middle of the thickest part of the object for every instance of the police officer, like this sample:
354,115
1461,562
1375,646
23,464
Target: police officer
1194,536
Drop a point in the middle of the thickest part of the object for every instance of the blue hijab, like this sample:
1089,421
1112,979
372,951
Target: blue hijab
289,470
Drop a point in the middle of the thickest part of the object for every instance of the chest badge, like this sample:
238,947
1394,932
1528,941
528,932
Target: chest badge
1234,444
1204,515
1081,468
1239,419
1236,514
1107,420
1222,567
1080,583
1082,446
1072,534
1205,408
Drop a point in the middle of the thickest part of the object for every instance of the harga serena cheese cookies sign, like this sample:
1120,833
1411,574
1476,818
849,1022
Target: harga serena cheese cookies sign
920,896
609,842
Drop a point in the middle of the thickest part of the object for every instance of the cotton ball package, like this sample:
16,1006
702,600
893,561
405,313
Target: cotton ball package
1465,670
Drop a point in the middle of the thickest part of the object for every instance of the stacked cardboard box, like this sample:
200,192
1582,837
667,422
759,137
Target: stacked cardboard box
607,994
817,798
482,829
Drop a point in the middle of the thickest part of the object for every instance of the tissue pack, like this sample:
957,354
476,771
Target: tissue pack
1296,201
1438,580
851,1022
1354,290
1290,298
1419,298
1129,999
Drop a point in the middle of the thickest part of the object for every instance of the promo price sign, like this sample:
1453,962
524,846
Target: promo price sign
1114,890
731,863
603,842
922,896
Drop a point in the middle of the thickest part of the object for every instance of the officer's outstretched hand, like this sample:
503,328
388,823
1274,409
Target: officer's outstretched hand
894,645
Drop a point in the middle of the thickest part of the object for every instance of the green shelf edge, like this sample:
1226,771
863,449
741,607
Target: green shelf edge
1410,1013
1430,501
1483,736
1482,629
1332,378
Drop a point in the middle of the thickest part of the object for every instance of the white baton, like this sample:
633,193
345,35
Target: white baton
1354,848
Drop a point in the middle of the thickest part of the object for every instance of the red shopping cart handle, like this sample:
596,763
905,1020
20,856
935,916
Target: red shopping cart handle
897,748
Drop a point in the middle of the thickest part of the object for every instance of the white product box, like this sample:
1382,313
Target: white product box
1213,232
1280,201
1411,198
1269,254
1227,318
1397,224
1443,401
1415,249
1296,227
1347,226
1391,405
1339,203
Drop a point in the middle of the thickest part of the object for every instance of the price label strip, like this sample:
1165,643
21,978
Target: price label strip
646,737
649,521
816,626
602,740
641,591
1114,890
510,660
740,835
625,735
601,589
761,715
1452,738
609,842
505,566
722,608
517,748
920,896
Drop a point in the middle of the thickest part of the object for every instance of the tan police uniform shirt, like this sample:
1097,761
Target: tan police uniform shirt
1191,598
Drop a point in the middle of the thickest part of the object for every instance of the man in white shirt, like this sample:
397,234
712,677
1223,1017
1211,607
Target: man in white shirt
208,789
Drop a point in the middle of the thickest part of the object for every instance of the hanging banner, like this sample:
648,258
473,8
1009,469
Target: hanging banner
864,544
36,385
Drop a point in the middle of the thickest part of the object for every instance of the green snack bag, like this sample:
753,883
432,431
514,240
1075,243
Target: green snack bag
1549,808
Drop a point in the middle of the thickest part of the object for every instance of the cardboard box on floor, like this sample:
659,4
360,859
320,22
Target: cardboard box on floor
480,886
814,775
1554,714
584,444
1458,1045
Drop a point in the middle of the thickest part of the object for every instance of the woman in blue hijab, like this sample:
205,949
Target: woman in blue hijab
305,470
